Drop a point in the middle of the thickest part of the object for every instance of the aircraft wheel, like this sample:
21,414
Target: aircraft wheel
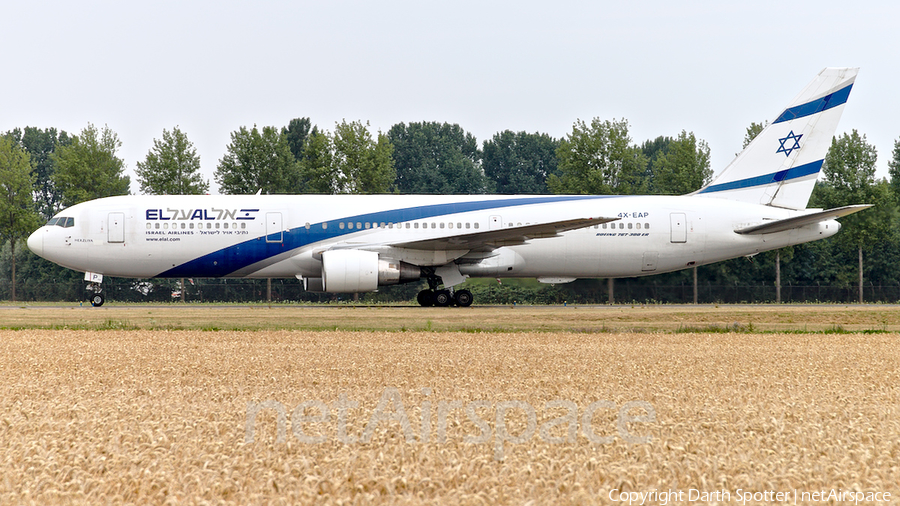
463,298
442,298
425,298
97,300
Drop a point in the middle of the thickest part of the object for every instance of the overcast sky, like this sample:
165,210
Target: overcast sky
710,67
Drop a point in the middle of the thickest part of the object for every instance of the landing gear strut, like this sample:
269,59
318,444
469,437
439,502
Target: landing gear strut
445,297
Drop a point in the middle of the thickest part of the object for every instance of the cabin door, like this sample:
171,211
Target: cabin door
116,227
679,227
274,228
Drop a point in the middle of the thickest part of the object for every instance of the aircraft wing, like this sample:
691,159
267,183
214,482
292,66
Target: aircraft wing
799,221
506,236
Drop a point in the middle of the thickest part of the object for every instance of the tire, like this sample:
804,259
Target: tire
425,298
97,300
442,298
464,298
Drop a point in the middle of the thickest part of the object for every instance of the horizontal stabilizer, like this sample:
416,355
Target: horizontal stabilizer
799,221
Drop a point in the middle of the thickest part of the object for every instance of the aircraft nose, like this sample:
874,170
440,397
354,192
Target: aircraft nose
36,243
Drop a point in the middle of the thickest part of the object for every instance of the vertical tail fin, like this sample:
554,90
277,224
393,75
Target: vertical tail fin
780,166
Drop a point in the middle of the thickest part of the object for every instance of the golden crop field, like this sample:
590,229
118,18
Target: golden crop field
593,407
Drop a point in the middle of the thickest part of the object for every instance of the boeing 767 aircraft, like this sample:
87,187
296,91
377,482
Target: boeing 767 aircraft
357,243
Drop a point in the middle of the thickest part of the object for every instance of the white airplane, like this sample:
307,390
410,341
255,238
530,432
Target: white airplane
358,243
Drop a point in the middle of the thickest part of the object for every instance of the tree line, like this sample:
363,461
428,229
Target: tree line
45,170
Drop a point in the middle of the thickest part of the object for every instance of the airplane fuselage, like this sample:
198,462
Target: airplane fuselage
284,235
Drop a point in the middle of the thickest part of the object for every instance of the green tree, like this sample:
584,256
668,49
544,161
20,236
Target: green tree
41,144
436,158
682,168
653,149
88,168
849,178
296,133
519,163
316,168
360,163
258,161
894,169
17,215
172,167
599,159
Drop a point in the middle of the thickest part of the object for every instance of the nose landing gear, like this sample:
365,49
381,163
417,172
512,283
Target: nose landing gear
94,289
97,299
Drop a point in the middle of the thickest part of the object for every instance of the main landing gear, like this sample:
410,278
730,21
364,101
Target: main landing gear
444,297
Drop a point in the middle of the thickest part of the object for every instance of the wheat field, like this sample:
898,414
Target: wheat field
161,417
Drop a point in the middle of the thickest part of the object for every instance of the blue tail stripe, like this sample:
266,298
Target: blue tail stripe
820,104
775,177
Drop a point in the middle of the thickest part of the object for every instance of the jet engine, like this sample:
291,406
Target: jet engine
353,271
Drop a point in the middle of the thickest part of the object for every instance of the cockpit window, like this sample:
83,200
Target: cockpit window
62,221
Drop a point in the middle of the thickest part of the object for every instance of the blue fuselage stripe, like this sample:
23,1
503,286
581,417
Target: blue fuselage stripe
225,261
818,105
775,177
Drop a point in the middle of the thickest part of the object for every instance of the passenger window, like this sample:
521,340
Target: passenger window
646,225
630,225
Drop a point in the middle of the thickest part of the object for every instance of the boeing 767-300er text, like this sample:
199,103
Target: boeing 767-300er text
357,243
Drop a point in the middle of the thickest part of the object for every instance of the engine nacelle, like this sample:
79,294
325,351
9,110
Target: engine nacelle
353,271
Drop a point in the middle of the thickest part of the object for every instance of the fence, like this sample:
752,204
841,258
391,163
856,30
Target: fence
288,290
